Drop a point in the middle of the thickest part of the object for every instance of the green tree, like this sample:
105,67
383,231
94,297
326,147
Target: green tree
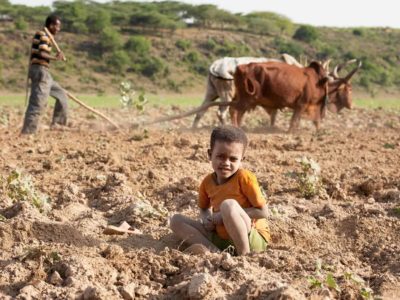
98,20
110,40
203,14
306,33
118,61
21,24
277,23
73,14
138,45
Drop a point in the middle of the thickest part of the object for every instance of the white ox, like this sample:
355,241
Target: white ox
220,83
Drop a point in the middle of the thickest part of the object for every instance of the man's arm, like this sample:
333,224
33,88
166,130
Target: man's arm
46,55
257,213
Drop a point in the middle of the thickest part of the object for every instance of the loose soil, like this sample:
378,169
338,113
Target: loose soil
337,245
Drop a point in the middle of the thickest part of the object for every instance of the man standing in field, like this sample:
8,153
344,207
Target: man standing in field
42,83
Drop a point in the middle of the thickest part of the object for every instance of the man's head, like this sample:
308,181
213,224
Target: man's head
227,147
53,23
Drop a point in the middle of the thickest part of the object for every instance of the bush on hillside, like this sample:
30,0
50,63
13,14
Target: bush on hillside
289,47
110,40
306,33
21,24
209,45
73,15
154,20
234,49
358,32
138,45
268,23
262,26
98,20
325,50
118,61
183,44
79,27
192,57
150,66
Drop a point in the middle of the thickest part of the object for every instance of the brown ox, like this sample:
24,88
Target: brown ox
274,85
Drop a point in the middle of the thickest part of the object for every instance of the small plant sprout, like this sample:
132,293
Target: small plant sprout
331,282
128,96
320,280
20,187
308,179
365,292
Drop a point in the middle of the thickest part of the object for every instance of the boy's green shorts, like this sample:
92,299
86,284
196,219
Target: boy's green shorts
256,241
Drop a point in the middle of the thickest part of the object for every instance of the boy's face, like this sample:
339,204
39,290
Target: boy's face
225,159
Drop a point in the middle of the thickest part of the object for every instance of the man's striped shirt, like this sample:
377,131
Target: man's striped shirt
40,42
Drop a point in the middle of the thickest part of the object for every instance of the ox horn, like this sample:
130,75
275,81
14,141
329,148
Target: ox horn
341,66
348,77
325,65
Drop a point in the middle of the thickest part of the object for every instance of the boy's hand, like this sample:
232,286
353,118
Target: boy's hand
216,219
208,224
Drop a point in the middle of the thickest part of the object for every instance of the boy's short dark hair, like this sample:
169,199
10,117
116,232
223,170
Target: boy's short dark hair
52,19
229,134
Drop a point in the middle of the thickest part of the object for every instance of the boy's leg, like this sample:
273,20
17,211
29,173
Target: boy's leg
237,224
191,231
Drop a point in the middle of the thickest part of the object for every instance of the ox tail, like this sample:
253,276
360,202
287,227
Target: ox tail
189,113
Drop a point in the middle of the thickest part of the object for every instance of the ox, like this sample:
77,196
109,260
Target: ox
275,85
220,83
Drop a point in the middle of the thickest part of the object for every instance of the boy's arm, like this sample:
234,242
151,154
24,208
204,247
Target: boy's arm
257,213
206,218
251,189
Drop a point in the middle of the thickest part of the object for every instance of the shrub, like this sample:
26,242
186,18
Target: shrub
200,67
308,179
19,187
128,98
150,66
306,33
262,26
110,39
21,24
183,44
192,57
358,32
233,49
288,47
210,44
138,45
98,21
118,61
79,27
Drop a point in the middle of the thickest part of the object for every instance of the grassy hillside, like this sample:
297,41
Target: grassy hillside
171,55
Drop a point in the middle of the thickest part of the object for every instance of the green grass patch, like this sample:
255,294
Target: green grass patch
387,104
112,101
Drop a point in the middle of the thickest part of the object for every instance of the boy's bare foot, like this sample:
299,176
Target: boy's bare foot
121,229
196,249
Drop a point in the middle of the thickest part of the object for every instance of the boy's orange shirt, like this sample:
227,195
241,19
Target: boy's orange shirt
242,187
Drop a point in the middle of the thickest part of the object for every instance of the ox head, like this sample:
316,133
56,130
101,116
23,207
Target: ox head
340,88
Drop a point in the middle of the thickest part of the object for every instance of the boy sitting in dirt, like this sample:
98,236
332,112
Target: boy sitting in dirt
232,209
